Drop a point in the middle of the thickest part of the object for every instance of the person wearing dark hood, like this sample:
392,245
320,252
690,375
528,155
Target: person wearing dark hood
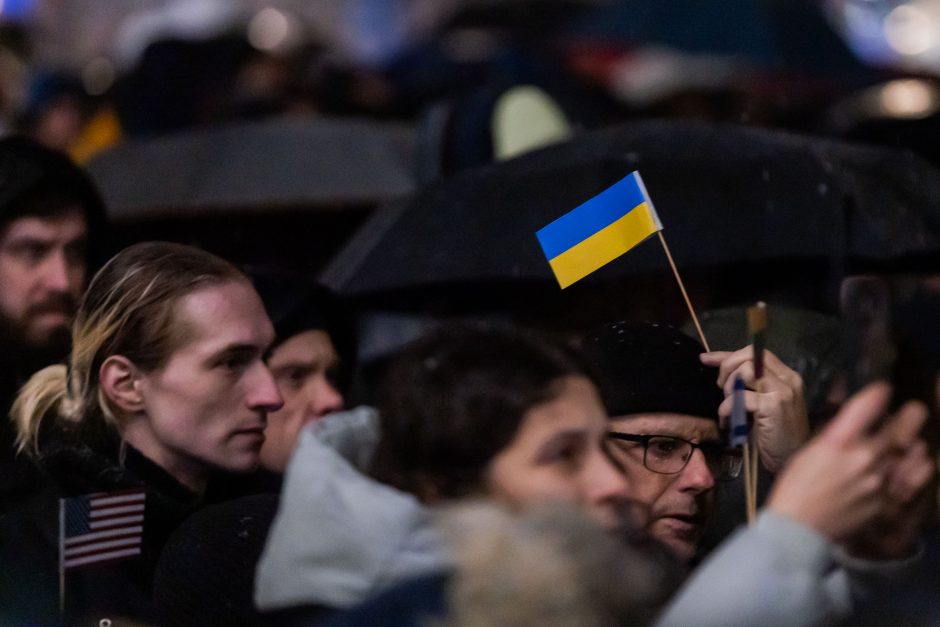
165,388
310,361
49,212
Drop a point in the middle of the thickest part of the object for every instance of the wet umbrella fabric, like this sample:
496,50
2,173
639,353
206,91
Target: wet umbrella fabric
726,195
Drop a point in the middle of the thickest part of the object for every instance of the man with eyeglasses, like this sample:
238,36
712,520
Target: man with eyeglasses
664,428
812,544
682,483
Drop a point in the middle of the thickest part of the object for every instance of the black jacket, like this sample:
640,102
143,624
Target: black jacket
29,539
18,476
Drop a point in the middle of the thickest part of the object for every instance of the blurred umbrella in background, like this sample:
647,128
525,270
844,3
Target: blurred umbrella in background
731,198
281,195
254,167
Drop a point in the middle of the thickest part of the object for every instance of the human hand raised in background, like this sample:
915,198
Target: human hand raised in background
910,497
851,474
776,400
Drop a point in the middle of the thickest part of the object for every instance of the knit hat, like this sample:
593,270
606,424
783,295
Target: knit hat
652,368
295,305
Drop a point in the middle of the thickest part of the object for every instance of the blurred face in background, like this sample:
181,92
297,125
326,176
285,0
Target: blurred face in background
304,368
42,274
559,453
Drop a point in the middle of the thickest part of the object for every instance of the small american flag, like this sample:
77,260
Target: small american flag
100,527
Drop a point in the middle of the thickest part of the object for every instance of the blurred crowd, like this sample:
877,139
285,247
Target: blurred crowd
210,431
149,68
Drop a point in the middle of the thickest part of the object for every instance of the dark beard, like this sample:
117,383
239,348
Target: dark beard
20,358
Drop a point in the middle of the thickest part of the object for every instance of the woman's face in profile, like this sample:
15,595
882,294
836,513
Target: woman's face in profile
559,454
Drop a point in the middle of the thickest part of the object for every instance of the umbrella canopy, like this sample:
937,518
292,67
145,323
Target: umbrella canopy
727,195
283,163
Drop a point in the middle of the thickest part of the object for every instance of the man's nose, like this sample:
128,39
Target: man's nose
264,394
55,272
324,397
697,476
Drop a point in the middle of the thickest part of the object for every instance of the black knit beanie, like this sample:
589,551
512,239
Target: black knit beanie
651,368
295,305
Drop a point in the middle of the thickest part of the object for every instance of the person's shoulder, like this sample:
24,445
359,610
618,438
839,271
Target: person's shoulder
412,603
213,554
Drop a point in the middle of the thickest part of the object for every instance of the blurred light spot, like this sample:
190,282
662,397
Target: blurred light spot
272,30
909,98
910,30
525,118
17,10
98,76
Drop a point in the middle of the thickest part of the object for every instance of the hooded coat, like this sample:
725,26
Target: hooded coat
340,537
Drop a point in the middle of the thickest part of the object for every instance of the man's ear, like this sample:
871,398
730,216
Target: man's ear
120,380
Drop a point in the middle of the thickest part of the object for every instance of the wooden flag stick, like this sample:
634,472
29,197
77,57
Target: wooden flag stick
751,486
754,465
750,461
748,494
754,469
757,329
685,295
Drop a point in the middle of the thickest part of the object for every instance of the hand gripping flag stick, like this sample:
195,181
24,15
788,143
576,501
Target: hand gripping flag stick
739,438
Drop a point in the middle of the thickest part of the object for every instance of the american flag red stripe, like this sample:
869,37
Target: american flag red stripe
100,527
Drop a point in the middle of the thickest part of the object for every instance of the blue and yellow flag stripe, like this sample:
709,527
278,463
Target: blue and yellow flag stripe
599,230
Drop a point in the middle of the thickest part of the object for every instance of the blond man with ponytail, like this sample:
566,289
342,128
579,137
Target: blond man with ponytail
165,387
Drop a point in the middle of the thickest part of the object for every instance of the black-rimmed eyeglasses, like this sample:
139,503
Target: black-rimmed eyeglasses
668,455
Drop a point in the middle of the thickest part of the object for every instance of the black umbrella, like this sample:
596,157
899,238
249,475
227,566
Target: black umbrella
292,163
728,196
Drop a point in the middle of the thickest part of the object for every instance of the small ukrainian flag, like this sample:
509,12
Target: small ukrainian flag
600,230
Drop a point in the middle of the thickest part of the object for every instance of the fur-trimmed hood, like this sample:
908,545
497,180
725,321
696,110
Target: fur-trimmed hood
548,566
